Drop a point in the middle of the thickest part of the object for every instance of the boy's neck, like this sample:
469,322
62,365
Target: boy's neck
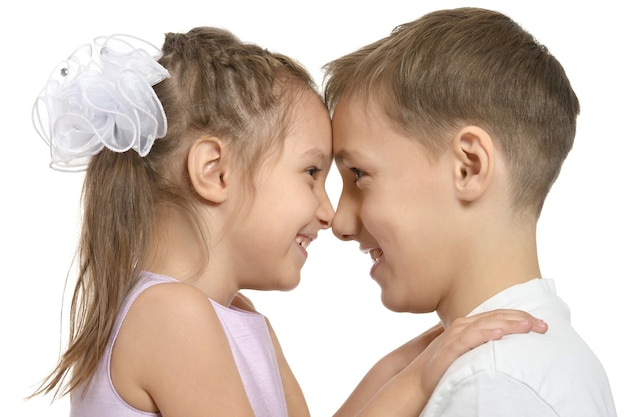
504,256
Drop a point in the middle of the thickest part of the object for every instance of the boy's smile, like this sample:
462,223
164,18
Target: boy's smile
375,254
395,204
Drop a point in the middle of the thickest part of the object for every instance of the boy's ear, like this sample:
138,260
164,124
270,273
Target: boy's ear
207,170
474,162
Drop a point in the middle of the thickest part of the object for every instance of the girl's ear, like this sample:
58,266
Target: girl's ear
207,170
474,162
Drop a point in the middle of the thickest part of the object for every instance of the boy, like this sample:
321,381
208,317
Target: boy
448,135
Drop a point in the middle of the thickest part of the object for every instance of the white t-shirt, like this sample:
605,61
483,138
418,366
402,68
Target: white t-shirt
526,375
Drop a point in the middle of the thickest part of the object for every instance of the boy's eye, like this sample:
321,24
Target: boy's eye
357,174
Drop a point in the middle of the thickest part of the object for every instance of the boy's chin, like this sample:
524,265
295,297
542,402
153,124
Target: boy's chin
394,303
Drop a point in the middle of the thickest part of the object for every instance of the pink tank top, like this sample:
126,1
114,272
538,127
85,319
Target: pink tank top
250,343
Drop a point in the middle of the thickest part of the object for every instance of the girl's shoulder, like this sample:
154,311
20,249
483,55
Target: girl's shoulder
161,299
168,311
171,342
171,297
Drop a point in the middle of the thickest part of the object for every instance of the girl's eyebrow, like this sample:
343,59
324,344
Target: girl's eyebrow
317,154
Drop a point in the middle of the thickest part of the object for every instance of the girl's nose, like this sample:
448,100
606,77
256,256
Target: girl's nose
346,223
325,211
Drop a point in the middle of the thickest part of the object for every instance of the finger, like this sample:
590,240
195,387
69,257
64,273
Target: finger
462,337
511,321
510,325
503,314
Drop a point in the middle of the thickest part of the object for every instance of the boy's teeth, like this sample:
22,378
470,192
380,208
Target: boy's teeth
375,254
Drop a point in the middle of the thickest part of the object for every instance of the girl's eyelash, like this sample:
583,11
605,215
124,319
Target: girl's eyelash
312,171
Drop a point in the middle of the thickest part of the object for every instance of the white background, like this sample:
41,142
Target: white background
332,326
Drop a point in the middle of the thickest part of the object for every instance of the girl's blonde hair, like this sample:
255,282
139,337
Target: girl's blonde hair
219,86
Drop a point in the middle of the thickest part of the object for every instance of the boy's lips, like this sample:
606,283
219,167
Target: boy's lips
375,253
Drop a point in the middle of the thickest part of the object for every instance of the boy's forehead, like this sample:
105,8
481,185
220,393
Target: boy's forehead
357,102
355,111
354,121
362,131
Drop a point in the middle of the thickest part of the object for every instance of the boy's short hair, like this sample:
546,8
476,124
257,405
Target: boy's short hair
453,68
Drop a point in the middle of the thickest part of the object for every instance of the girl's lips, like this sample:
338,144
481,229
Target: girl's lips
304,241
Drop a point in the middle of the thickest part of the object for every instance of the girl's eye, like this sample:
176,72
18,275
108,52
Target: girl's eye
357,174
313,171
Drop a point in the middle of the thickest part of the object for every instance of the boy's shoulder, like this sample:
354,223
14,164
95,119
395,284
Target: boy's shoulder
556,371
526,374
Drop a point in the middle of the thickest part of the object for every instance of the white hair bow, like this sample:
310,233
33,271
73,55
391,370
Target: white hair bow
102,97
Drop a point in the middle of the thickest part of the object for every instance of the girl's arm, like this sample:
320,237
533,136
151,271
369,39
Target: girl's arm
296,403
386,369
401,383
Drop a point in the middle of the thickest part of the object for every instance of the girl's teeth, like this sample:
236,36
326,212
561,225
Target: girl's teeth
303,242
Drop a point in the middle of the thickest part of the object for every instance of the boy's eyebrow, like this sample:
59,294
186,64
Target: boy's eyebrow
346,154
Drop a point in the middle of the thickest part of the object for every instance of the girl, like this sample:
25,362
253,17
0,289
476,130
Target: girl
205,176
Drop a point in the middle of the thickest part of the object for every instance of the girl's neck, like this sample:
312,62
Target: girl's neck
181,251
